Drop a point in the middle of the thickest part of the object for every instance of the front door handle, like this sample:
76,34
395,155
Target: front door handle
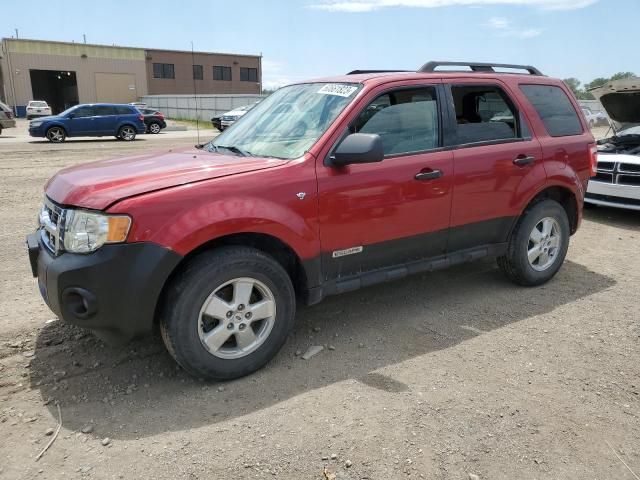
522,160
431,175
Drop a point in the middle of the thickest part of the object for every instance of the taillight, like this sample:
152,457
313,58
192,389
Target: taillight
141,117
10,114
161,115
593,158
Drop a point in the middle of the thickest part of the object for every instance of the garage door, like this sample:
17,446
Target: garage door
116,87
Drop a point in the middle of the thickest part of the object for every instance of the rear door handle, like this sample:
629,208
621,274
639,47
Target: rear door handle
522,160
432,175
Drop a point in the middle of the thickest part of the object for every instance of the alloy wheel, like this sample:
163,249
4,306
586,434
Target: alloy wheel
544,244
237,318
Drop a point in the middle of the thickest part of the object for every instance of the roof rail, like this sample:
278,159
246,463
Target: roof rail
430,67
356,72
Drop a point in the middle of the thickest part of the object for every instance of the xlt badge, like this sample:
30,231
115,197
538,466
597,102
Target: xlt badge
348,251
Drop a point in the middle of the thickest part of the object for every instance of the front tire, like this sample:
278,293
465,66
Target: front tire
227,313
538,245
127,133
56,134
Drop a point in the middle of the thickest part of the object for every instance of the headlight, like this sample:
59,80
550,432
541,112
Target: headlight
36,123
85,231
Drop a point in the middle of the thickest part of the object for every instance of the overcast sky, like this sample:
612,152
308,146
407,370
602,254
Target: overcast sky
309,38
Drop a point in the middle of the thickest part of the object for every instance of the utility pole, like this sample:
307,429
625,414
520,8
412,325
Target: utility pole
84,36
17,36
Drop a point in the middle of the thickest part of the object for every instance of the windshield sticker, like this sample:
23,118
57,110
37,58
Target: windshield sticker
337,89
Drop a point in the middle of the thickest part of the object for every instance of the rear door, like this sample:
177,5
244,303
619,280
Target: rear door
106,120
497,162
396,211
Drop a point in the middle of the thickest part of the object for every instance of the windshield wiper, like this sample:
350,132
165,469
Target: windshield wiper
234,149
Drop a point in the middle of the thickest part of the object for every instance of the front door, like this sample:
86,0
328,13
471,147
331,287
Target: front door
393,212
83,122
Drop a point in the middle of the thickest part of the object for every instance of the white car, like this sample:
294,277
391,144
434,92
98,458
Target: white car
38,108
229,118
617,182
594,119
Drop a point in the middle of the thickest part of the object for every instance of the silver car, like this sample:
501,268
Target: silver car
617,182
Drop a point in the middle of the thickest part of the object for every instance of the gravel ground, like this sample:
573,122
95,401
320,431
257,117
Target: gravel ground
452,375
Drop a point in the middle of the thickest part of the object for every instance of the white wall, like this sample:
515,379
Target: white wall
184,106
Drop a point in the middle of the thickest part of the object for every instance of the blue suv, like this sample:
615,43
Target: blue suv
95,120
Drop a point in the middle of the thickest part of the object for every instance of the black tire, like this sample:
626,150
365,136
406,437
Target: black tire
515,264
56,134
154,128
180,312
127,133
29,117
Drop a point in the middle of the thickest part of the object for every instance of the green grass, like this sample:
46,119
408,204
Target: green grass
192,123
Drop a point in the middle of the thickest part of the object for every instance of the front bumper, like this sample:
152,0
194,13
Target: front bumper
38,131
112,291
613,195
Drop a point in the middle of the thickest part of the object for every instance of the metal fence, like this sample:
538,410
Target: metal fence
184,106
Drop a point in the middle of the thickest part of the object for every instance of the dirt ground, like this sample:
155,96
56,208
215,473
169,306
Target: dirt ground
452,375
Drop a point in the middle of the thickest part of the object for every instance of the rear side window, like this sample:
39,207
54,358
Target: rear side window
485,113
406,120
554,108
103,110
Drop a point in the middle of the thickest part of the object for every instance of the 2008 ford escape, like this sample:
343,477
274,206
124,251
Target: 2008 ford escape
324,187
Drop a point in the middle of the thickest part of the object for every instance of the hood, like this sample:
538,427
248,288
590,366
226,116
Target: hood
97,185
47,117
621,100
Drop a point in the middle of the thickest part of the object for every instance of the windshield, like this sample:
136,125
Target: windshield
288,122
68,111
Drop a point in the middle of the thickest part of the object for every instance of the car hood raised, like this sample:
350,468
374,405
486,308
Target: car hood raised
621,100
97,185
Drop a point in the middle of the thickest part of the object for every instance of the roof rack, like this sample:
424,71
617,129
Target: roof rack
356,72
430,67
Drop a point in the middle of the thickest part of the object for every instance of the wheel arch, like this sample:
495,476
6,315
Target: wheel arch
301,272
565,197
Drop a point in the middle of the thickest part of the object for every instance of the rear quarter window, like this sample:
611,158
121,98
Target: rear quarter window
554,108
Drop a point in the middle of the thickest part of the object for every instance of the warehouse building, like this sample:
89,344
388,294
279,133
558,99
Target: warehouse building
65,74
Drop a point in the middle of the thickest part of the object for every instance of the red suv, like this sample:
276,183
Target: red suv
324,187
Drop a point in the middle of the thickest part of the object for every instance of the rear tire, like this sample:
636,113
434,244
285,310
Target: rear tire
538,244
56,134
154,128
227,313
127,133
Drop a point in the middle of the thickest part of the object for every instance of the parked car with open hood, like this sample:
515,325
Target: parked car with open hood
617,182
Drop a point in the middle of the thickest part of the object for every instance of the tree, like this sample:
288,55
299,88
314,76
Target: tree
574,85
622,75
596,82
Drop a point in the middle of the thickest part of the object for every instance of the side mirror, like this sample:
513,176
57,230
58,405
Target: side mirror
358,148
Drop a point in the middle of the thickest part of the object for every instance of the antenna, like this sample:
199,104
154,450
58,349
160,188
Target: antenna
195,92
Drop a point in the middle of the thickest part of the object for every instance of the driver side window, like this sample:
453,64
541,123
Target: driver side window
405,119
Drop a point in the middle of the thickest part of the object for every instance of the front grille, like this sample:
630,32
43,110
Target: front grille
604,177
618,173
52,225
606,166
633,180
629,168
